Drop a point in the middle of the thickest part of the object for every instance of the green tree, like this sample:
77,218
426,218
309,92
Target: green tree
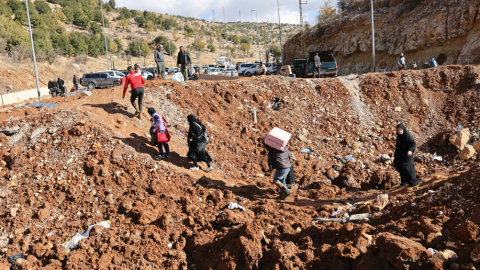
123,23
119,43
231,49
211,47
95,28
62,42
169,47
112,4
42,7
133,48
150,27
21,16
79,44
199,44
13,33
6,10
326,12
245,47
275,51
59,16
96,46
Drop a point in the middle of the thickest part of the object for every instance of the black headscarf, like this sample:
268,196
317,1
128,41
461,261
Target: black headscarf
151,111
404,144
191,118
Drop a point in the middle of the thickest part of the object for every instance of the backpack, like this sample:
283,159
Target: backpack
203,135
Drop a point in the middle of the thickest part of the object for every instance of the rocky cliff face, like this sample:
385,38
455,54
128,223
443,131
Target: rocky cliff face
447,30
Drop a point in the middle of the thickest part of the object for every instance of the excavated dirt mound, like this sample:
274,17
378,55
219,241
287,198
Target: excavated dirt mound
88,160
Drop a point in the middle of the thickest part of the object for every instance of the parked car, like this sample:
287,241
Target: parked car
242,67
252,70
231,72
101,79
329,67
152,69
147,75
212,66
271,68
215,71
173,70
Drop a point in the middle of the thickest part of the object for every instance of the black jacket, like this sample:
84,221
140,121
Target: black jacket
196,131
278,159
61,83
404,144
183,58
52,85
75,80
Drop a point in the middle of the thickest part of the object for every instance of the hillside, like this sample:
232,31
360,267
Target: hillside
64,30
442,29
88,160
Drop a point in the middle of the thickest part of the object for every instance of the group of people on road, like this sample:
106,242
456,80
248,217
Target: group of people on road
56,87
183,61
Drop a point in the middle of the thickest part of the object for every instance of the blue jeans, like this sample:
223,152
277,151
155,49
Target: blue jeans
383,70
280,176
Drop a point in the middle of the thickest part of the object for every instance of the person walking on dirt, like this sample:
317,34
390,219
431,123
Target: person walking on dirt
53,86
61,86
197,141
403,157
160,60
382,65
401,62
75,82
280,161
160,124
184,60
318,64
261,69
137,81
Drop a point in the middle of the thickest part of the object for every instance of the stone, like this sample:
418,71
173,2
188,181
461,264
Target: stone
216,196
442,259
86,93
332,174
467,152
147,217
402,252
282,251
369,262
362,242
475,255
467,232
346,253
13,211
398,109
23,264
302,138
476,145
52,130
460,138
233,217
3,163
43,214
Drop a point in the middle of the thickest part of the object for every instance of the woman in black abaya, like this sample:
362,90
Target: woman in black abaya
197,144
404,157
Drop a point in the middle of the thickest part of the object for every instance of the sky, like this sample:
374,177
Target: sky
202,9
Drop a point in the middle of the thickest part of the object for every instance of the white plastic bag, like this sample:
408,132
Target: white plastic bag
177,77
73,243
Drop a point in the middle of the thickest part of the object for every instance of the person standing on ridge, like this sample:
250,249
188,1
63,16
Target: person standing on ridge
160,60
136,79
403,157
53,86
197,143
61,86
184,60
401,62
318,64
382,65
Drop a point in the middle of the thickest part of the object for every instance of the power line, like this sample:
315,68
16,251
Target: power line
303,29
213,12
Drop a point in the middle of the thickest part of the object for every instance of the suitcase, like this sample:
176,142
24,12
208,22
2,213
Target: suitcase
277,138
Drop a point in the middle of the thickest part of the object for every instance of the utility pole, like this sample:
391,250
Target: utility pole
280,30
169,48
258,33
373,36
213,12
240,15
33,53
303,29
105,35
138,38
223,14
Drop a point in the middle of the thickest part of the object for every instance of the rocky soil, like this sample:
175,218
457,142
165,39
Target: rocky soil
88,160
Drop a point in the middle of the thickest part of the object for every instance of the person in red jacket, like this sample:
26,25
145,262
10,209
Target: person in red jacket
137,81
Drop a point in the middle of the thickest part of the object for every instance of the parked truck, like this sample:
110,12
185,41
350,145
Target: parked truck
298,68
328,68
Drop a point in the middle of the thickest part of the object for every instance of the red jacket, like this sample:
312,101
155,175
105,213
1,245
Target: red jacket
123,79
136,82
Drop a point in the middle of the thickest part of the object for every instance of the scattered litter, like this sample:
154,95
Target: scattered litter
460,127
39,104
73,243
398,109
306,150
340,159
338,212
51,233
350,158
10,118
276,106
353,218
347,216
381,201
432,251
14,258
169,245
233,205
